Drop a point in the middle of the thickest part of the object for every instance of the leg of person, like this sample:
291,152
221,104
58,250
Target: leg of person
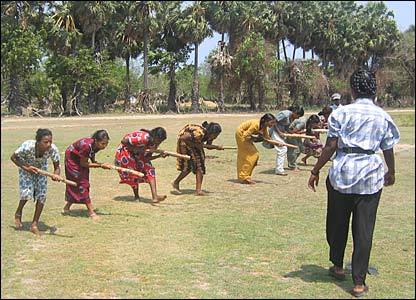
199,178
280,155
18,214
363,223
339,209
182,175
136,192
292,156
305,158
67,207
38,210
156,198
91,212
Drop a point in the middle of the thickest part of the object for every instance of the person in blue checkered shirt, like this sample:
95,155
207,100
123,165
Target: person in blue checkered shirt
356,178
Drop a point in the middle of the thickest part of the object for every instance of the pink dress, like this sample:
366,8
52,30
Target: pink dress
140,140
75,172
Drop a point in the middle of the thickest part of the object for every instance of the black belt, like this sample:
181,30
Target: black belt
356,150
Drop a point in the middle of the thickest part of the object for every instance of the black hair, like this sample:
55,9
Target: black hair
100,135
158,132
325,111
266,118
298,110
363,83
212,127
313,119
41,132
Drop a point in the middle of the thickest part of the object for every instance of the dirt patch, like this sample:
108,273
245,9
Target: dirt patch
403,147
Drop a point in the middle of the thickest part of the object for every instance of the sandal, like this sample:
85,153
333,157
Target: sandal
337,275
360,293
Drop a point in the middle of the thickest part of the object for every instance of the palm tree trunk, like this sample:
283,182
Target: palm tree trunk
172,89
294,52
15,105
145,62
93,42
304,53
261,93
250,93
195,86
127,88
221,96
284,49
313,54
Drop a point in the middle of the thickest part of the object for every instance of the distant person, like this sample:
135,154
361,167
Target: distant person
77,168
191,141
297,126
324,116
30,156
356,177
335,101
134,152
245,135
284,119
312,147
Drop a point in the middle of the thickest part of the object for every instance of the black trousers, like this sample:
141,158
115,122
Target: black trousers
364,210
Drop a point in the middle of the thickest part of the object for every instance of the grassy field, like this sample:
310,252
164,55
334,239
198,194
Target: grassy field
262,241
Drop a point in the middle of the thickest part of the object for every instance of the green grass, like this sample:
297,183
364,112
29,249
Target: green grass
262,241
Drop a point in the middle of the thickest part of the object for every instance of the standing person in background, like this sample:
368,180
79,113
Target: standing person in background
30,156
191,141
284,119
248,155
356,177
77,168
297,126
335,101
134,153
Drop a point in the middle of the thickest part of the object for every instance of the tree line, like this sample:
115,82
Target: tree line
77,55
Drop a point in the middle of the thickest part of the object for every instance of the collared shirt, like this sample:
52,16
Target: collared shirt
361,124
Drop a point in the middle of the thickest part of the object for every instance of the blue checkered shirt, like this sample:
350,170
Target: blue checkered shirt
360,124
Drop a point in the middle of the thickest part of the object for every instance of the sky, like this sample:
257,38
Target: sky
404,15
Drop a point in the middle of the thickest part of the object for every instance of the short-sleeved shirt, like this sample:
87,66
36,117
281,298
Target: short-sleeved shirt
298,124
364,125
283,119
26,152
198,133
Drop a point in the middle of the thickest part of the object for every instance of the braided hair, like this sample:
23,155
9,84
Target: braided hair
363,83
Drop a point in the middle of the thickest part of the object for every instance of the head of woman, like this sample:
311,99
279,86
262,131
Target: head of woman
43,139
326,111
158,135
213,130
101,139
313,122
363,84
267,120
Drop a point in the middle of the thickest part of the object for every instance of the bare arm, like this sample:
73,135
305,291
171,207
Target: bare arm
389,177
22,164
329,149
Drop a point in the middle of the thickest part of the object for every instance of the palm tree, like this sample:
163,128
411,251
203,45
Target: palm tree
194,28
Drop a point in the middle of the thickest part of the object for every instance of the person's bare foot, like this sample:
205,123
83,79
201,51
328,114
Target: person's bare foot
200,193
65,212
137,198
159,198
18,221
175,186
94,216
359,290
35,230
304,161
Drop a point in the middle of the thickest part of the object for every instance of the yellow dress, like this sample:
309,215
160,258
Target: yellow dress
248,155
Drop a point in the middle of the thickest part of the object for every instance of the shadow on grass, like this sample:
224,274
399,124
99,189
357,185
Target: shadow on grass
188,192
314,273
43,228
132,199
243,184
